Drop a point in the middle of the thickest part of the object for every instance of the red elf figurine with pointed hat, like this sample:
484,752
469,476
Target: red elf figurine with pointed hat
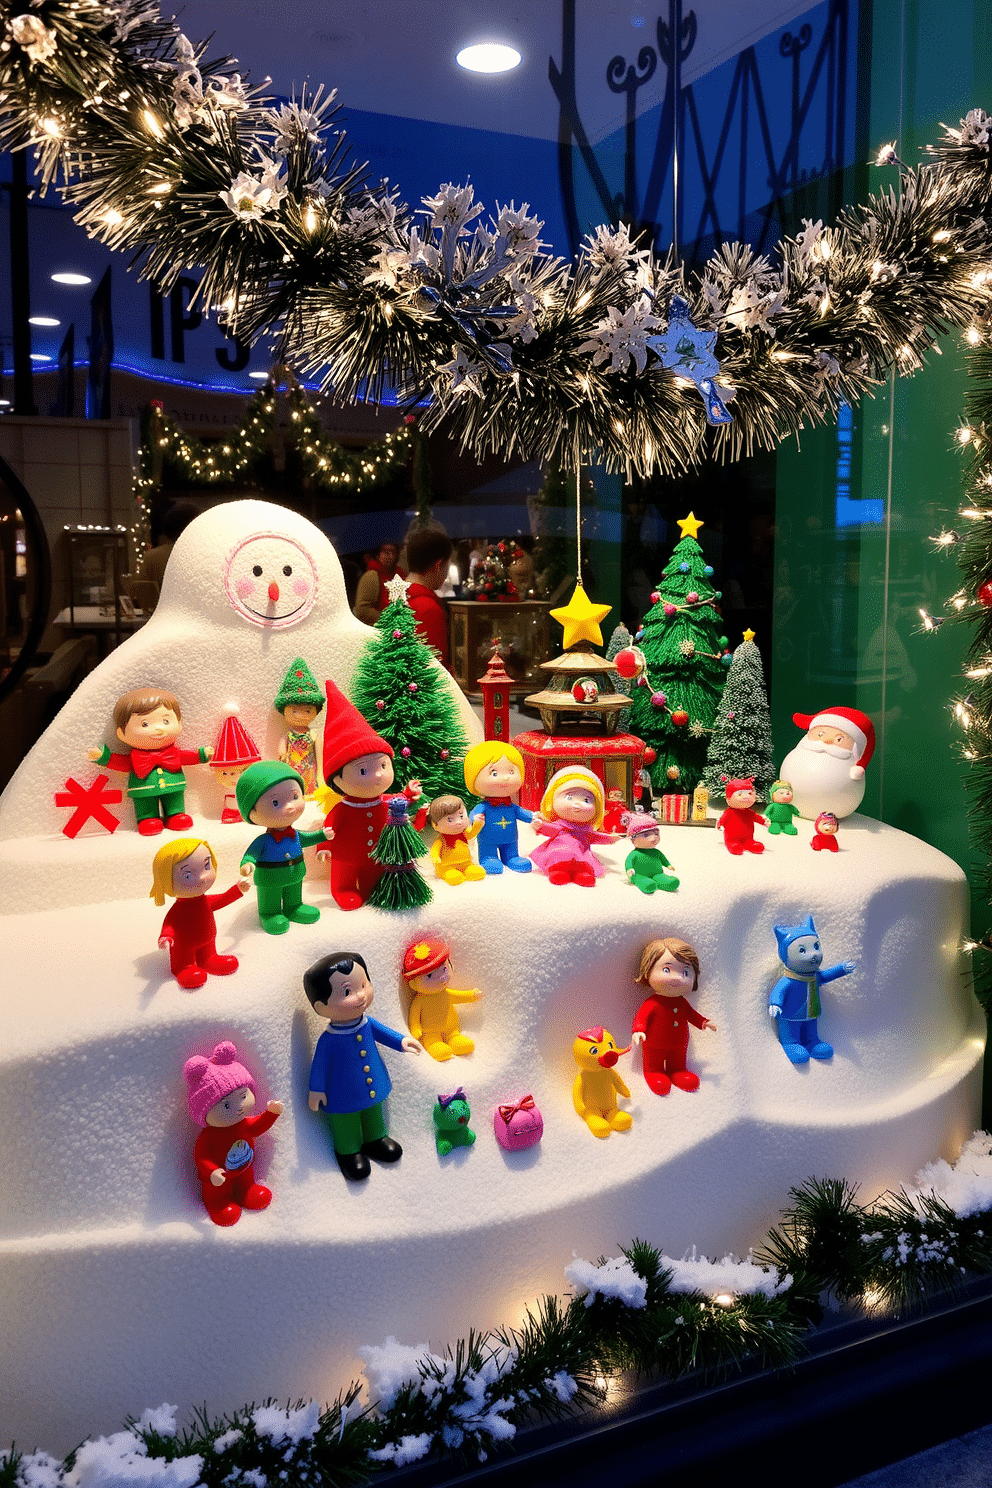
358,765
235,751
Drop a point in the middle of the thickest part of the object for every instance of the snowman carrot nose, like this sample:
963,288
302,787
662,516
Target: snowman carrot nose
273,591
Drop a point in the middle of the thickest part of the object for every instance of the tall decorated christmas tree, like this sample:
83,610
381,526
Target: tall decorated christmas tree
741,741
401,693
674,705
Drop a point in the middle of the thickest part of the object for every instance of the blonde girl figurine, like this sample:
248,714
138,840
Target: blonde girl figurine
572,809
184,870
495,771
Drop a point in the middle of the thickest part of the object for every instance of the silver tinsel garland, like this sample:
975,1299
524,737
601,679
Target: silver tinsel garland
178,161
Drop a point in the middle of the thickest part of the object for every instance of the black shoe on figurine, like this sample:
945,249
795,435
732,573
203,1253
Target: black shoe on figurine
383,1149
354,1165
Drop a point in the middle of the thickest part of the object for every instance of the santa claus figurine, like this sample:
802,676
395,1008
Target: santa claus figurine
827,767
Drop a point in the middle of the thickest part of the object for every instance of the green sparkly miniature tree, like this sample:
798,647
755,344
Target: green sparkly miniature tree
401,693
619,641
741,741
674,710
402,885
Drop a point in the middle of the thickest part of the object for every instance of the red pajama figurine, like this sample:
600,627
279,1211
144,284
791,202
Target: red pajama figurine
185,869
670,967
739,821
221,1097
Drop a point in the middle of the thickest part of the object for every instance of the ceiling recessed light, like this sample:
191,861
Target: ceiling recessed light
36,356
258,376
488,56
43,320
71,279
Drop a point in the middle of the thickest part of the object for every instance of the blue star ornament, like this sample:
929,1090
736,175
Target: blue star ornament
688,351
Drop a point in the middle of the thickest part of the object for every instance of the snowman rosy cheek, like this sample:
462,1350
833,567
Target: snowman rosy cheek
244,587
301,588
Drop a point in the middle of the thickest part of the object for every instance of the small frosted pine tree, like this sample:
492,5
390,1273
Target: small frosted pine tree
741,742
401,692
619,641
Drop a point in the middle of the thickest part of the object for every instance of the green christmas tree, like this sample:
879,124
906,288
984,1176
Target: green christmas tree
402,886
399,690
741,741
619,641
674,707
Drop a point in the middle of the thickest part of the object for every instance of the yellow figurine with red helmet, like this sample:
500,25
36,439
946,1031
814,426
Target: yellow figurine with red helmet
432,1018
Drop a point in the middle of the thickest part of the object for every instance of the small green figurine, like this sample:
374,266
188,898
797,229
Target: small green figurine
299,700
271,796
780,810
646,866
451,1118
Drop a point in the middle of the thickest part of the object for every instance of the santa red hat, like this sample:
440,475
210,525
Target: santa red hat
235,746
346,734
851,720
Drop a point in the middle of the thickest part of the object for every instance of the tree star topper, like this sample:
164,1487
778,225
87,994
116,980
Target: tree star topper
396,588
688,351
580,618
689,526
749,634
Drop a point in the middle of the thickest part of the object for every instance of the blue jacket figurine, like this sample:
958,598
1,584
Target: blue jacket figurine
795,998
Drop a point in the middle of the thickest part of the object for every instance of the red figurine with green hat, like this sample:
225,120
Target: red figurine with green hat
358,766
299,700
270,794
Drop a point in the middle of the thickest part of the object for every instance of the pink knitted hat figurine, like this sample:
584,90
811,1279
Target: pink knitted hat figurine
640,822
209,1080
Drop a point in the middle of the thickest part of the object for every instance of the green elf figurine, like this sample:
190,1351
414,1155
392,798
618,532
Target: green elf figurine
646,866
780,810
271,796
299,700
148,723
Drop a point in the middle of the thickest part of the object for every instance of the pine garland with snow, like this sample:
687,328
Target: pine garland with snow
641,1311
174,158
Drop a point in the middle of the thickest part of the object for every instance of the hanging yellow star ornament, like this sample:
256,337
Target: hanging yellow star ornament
689,526
580,618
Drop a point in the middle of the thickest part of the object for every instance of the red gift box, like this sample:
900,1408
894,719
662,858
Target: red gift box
674,808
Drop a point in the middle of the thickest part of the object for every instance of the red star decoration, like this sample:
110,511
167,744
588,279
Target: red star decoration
89,801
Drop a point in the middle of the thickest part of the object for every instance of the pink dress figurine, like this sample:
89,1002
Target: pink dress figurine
739,821
572,810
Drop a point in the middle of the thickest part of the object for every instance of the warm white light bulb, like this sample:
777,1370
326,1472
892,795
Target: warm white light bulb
488,56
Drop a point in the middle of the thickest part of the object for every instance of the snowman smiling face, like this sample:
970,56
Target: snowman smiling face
271,580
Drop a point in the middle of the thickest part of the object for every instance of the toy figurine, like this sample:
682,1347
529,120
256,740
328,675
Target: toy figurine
495,771
700,800
518,1124
795,999
235,751
646,865
450,853
299,700
597,1085
358,765
617,811
670,967
825,833
185,869
780,810
738,821
271,796
827,767
149,722
572,811
433,1019
221,1096
347,1076
451,1118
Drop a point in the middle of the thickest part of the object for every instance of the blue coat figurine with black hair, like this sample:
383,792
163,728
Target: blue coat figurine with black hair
795,998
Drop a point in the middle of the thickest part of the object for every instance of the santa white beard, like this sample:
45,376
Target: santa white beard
822,781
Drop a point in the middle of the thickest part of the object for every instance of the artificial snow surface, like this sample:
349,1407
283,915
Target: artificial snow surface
103,1231
739,1278
615,1278
964,1186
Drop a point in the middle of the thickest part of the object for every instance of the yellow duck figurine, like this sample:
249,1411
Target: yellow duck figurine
597,1084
